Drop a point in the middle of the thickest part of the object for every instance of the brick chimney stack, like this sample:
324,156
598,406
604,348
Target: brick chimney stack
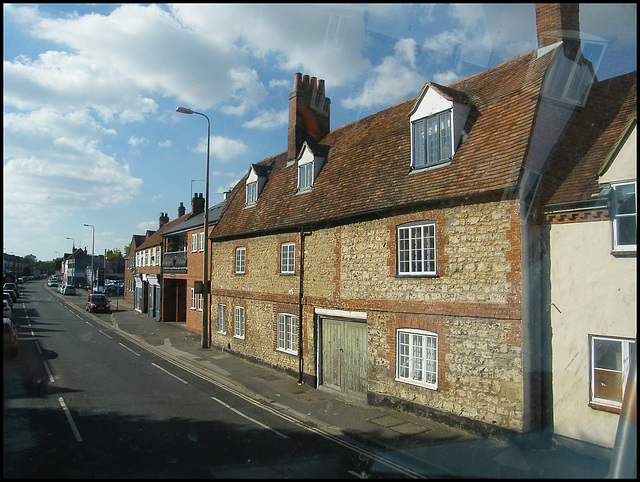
557,22
309,113
164,219
197,204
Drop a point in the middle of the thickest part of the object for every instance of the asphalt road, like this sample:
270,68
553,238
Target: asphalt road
81,401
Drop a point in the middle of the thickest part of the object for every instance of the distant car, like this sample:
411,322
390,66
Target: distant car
7,296
10,337
6,309
12,286
52,283
98,302
68,290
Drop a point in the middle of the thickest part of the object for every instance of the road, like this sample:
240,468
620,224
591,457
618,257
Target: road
82,401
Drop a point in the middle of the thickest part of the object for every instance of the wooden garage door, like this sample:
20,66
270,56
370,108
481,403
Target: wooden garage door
344,356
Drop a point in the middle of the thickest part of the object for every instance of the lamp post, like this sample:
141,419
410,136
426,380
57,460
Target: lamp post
93,244
73,243
206,332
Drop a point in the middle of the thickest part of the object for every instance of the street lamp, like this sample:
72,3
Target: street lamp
73,242
206,332
93,244
192,181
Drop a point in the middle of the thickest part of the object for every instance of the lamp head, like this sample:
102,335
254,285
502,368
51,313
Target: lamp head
184,110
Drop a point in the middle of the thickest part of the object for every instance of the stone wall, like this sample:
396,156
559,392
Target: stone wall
473,304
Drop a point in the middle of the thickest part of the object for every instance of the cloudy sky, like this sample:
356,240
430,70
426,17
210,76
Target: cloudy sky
91,135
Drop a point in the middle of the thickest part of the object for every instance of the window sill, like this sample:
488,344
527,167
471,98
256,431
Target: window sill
417,384
287,352
631,253
605,408
430,167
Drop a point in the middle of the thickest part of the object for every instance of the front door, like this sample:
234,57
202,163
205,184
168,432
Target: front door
344,356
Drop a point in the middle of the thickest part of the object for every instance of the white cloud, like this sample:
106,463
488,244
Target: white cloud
137,141
268,120
393,80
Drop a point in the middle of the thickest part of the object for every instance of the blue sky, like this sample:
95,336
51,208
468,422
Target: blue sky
91,135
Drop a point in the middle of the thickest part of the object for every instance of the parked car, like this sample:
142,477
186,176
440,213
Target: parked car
12,286
10,337
6,309
52,282
98,302
114,290
12,293
68,290
7,296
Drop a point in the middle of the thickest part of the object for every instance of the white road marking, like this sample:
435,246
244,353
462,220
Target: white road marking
249,418
169,373
46,367
74,429
124,346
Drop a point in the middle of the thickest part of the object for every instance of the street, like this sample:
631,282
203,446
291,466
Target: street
82,401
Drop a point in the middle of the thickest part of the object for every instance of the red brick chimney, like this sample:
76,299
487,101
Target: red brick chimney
559,22
197,204
164,219
309,113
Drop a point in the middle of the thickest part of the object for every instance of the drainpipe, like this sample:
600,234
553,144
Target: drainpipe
300,297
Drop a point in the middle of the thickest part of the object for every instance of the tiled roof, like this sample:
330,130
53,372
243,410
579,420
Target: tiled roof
196,221
367,169
589,141
156,238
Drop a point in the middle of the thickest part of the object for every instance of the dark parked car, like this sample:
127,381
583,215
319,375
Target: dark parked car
114,290
98,302
10,337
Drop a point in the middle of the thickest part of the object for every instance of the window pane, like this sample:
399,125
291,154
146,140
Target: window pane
626,199
608,385
403,355
626,230
608,354
432,140
417,358
419,143
445,136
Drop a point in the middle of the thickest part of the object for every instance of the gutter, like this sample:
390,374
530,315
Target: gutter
300,307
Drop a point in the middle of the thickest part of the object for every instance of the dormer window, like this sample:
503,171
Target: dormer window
252,192
305,176
309,164
432,140
437,125
255,182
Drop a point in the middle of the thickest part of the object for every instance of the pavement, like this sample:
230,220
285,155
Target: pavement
426,447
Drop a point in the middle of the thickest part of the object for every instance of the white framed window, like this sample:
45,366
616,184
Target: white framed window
200,301
222,319
287,333
252,192
609,364
193,299
202,241
305,176
194,243
432,140
417,357
288,258
624,208
241,260
417,249
238,322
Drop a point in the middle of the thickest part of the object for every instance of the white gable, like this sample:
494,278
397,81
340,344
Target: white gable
431,104
624,164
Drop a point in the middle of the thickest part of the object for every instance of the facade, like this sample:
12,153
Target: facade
183,247
148,262
130,264
396,259
591,213
77,268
